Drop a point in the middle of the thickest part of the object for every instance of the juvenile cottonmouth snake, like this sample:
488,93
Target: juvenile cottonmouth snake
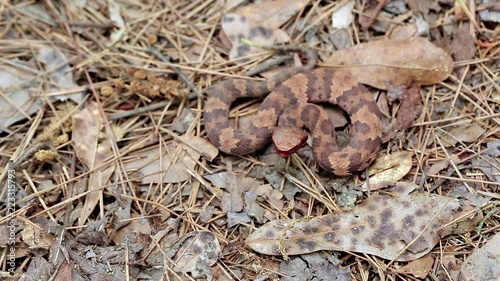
291,102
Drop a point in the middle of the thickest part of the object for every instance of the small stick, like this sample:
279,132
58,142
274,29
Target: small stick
375,14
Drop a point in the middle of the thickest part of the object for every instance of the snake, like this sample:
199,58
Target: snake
292,103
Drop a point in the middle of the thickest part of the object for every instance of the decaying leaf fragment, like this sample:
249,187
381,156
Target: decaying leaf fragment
388,169
195,252
392,63
402,227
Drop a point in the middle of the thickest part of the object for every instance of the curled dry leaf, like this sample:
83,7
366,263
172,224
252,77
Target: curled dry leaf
259,24
195,252
388,170
402,228
391,63
404,31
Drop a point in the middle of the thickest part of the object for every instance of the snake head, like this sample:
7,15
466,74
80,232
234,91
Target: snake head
288,139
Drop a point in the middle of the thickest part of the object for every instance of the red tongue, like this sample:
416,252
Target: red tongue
288,139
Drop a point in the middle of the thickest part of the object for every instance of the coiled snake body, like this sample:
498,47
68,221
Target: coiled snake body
291,102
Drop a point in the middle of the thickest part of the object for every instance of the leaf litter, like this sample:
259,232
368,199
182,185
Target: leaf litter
115,179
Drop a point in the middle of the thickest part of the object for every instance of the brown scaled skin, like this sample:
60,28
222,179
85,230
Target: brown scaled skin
292,103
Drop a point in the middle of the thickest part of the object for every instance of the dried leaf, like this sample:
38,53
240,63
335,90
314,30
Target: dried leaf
38,269
169,168
392,63
92,152
483,263
232,199
463,44
490,15
16,102
313,267
419,267
493,148
408,112
423,6
388,169
196,252
252,207
259,24
217,179
60,73
343,16
182,122
37,237
402,228
274,196
474,200
138,224
66,272
201,146
465,133
489,166
435,168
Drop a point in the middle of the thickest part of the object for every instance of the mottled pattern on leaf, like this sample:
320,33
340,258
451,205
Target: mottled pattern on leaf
402,228
196,252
